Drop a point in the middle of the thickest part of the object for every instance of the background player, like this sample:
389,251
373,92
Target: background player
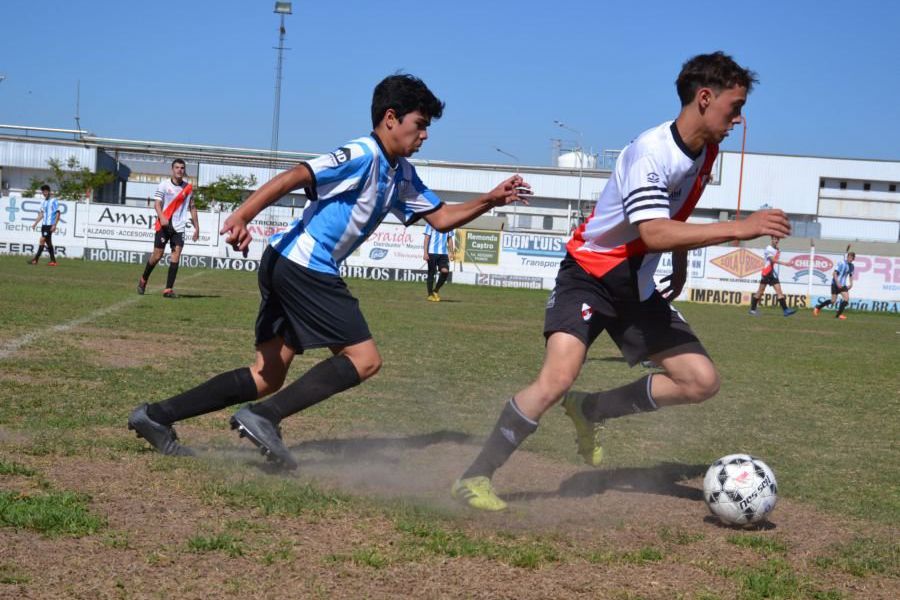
770,277
48,217
606,279
841,283
173,199
305,303
438,248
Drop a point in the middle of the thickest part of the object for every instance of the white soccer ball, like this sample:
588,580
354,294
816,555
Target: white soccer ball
740,489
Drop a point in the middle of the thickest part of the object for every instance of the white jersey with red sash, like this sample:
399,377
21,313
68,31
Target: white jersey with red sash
771,255
656,177
176,200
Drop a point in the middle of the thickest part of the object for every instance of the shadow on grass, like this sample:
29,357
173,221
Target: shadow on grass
194,296
664,479
365,447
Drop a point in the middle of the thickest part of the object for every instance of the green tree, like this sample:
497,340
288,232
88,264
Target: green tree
227,191
71,182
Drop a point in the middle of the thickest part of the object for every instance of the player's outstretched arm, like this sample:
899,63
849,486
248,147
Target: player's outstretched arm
664,235
451,216
235,226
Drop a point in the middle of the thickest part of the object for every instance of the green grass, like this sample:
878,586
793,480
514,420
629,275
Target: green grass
220,542
775,579
762,544
863,557
14,468
10,575
52,513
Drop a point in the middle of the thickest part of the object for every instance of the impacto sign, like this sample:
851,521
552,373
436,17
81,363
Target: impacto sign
479,246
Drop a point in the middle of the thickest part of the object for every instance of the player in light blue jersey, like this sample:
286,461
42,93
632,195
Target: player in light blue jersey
305,303
841,283
48,217
438,248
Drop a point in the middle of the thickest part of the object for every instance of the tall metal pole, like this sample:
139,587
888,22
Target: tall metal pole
518,162
737,214
580,151
281,9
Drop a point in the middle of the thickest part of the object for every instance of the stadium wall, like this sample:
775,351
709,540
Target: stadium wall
719,274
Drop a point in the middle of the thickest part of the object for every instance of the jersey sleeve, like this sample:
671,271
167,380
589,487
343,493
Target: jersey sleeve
160,193
645,192
429,230
337,172
414,199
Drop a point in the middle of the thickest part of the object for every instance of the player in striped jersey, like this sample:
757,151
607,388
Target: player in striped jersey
770,277
841,284
305,303
173,201
606,280
438,248
48,217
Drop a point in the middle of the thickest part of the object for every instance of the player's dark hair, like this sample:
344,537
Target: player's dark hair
717,71
405,94
45,188
179,161
851,255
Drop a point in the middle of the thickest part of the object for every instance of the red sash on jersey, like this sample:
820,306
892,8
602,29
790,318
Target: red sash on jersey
770,266
599,264
176,203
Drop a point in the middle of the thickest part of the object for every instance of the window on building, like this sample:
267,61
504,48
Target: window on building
843,185
867,186
892,187
548,222
821,183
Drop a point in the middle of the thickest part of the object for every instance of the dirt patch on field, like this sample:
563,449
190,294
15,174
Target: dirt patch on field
613,533
127,350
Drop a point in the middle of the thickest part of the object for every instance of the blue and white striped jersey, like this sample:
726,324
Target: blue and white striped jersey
437,241
49,208
843,271
353,190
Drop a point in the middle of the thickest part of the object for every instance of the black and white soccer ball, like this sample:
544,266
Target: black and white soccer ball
740,489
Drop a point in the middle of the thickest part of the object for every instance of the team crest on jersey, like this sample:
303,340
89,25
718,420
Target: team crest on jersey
652,177
586,312
340,156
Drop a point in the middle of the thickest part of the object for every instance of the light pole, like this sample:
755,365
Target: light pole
518,162
281,9
741,176
580,151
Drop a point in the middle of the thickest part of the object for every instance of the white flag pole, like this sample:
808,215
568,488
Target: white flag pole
809,272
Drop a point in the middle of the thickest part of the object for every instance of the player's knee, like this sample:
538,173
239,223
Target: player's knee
268,379
553,385
703,385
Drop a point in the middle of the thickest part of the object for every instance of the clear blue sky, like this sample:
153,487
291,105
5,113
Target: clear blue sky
203,71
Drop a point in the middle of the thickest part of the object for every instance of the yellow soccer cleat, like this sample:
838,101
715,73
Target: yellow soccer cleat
478,493
432,298
587,433
436,297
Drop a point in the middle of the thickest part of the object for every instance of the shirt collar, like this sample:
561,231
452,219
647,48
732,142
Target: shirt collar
383,151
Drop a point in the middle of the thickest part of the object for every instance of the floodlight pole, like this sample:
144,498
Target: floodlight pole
580,150
737,214
518,162
281,9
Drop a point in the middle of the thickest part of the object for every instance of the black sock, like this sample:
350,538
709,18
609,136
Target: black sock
626,400
50,250
39,252
148,268
842,304
823,304
754,301
510,431
219,392
442,279
170,278
782,303
324,380
429,282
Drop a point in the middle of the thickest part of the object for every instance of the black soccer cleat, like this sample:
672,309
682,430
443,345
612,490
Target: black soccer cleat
141,286
162,437
265,435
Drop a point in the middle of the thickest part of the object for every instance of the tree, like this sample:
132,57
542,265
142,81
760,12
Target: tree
227,192
71,183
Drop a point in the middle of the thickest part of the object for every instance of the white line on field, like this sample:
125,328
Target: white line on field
13,346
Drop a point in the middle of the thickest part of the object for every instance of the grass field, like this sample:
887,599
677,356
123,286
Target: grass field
86,510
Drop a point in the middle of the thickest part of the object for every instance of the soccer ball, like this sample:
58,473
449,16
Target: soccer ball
740,489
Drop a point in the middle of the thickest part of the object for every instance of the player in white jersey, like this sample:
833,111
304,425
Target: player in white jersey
173,201
768,277
438,248
48,217
305,303
606,280
841,283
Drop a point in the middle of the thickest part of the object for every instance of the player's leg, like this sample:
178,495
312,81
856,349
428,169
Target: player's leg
48,241
429,280
782,301
444,266
519,418
754,298
40,250
177,245
159,246
842,305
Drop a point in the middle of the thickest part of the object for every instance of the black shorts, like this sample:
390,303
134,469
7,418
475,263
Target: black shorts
307,308
770,279
168,234
584,306
46,231
837,289
438,261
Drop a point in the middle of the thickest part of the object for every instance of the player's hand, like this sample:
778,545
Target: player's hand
53,229
514,189
237,235
163,222
771,221
196,234
676,279
425,257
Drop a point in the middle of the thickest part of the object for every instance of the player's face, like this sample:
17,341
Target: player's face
724,111
411,132
178,171
46,194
